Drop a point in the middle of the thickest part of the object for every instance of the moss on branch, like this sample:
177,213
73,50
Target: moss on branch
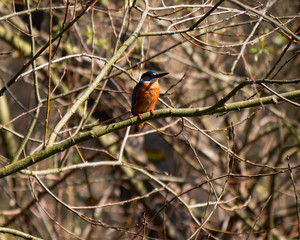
161,113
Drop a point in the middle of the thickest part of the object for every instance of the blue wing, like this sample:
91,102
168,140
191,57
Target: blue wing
136,88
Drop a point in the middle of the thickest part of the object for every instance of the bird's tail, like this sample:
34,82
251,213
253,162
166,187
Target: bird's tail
139,126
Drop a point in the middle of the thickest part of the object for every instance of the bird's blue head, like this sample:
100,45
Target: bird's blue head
148,76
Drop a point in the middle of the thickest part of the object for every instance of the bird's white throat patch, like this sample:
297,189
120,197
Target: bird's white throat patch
154,80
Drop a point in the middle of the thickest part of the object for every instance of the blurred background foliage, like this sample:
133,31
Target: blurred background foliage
258,201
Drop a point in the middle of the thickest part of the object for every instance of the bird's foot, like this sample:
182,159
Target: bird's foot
140,116
152,111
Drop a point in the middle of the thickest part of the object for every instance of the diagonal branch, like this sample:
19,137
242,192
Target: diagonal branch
101,75
26,65
162,113
269,19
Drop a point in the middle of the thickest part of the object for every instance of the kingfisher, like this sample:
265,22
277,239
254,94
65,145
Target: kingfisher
145,95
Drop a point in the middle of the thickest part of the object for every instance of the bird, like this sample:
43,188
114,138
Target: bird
145,95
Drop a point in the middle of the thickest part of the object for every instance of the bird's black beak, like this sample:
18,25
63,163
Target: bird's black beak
160,75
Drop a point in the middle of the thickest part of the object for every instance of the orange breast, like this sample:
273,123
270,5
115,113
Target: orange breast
146,97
